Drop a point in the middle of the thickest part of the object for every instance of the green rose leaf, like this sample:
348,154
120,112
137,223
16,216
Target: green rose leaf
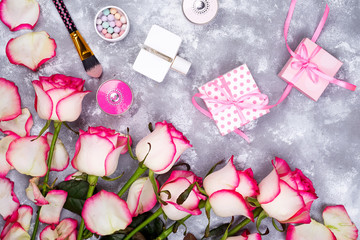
149,232
77,191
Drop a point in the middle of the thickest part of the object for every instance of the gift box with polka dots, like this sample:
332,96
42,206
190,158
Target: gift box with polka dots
240,83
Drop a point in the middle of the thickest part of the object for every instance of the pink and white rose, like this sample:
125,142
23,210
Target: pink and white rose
141,197
167,144
108,209
177,183
98,150
59,97
287,195
228,189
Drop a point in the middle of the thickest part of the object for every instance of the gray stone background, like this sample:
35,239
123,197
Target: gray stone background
321,138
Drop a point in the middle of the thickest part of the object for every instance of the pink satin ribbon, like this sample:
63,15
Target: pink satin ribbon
303,60
239,103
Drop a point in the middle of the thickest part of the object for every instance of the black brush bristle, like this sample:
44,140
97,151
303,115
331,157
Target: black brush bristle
92,66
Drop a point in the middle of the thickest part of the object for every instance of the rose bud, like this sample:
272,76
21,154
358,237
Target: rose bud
178,182
228,189
167,144
59,97
98,150
286,195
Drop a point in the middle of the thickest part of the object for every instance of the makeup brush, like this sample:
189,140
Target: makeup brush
91,64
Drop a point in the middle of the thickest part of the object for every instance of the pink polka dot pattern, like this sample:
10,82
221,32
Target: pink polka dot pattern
240,82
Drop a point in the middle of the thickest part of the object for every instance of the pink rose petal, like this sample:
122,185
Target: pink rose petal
10,102
33,192
227,203
43,102
19,14
8,200
285,205
50,213
311,231
60,159
31,49
225,178
16,232
29,157
338,221
63,231
246,236
22,216
73,175
247,186
69,108
141,197
5,167
108,209
20,125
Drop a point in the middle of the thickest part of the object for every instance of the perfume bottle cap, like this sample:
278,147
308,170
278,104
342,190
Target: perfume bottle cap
114,97
200,11
181,65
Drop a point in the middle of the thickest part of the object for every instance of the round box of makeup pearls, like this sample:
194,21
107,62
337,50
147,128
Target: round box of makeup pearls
112,24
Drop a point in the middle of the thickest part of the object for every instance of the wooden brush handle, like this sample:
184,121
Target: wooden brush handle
65,15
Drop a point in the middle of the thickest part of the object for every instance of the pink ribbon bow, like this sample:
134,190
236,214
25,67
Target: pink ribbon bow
303,61
303,64
239,103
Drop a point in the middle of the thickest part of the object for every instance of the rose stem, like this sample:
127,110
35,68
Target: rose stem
169,230
57,126
144,223
92,180
244,222
139,171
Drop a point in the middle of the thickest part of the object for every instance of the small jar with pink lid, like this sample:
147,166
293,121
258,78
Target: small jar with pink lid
114,97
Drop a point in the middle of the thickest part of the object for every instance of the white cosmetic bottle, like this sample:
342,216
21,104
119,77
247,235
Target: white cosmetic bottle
159,53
